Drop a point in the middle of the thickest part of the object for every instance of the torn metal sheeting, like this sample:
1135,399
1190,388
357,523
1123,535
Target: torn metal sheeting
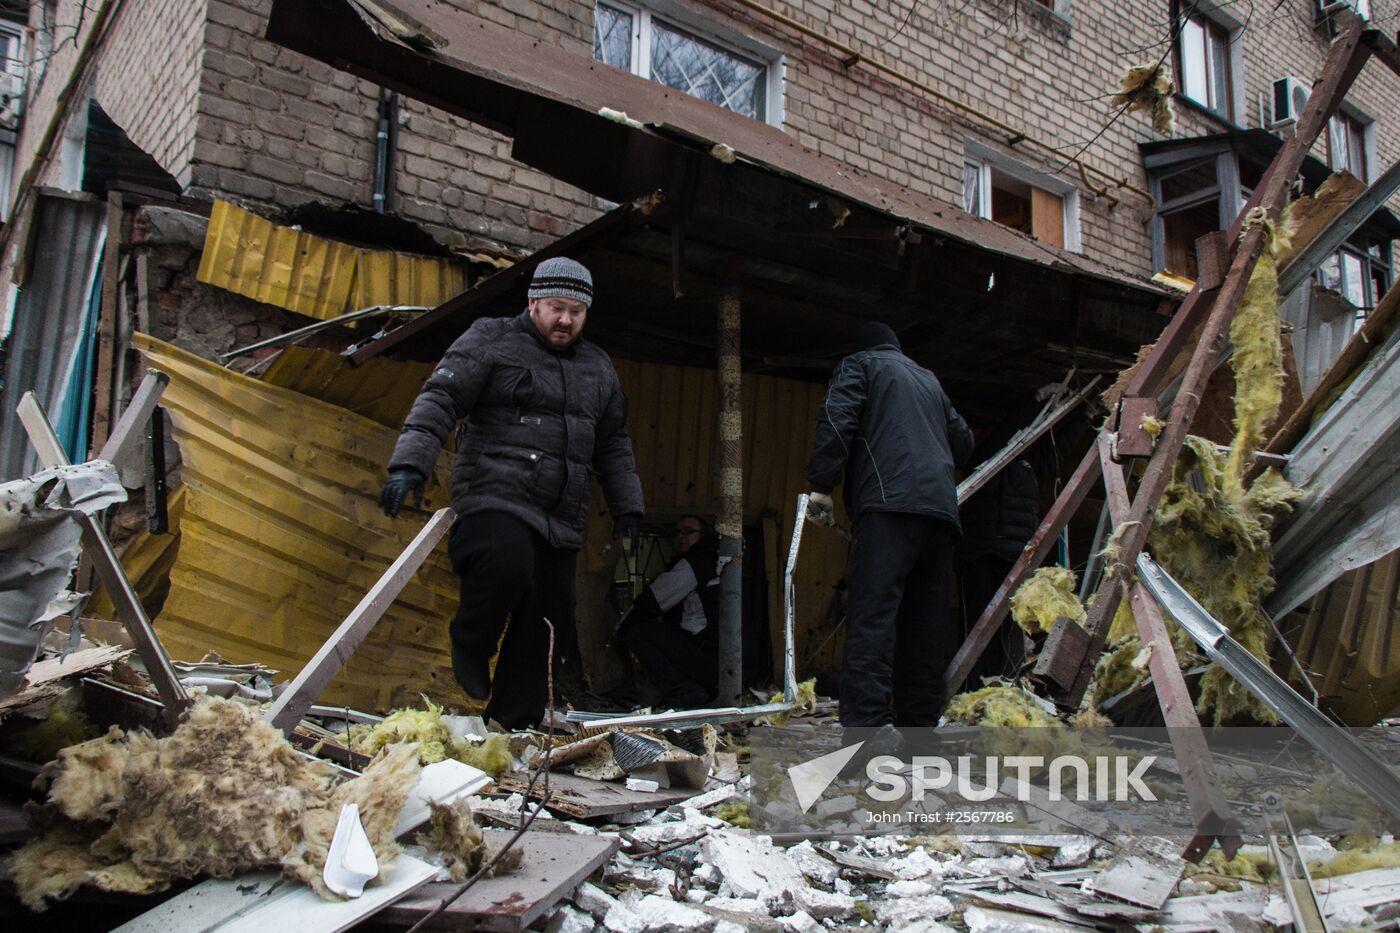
586,799
1144,872
269,577
40,531
1355,760
553,864
257,903
1349,463
677,719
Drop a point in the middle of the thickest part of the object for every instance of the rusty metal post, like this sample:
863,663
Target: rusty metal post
730,523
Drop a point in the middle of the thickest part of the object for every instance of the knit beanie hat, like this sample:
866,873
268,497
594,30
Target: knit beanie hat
873,334
562,278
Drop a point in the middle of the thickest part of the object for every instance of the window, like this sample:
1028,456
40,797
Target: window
1016,196
1204,65
1359,273
638,41
1346,145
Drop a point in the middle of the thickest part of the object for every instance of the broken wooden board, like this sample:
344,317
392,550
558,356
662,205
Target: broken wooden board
584,799
41,681
261,901
553,864
1145,872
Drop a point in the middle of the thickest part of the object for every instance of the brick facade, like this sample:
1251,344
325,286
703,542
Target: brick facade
230,114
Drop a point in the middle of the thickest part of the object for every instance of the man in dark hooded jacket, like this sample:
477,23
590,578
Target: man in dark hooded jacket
542,409
887,424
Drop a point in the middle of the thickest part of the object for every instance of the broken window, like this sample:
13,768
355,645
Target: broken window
1360,273
644,44
1204,64
1013,199
1346,145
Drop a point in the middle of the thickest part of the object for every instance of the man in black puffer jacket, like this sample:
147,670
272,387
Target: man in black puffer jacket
887,424
542,410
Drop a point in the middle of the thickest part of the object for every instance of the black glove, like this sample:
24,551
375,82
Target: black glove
401,482
628,526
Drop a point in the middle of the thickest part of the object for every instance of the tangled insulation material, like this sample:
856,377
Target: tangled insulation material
1258,352
224,794
1148,87
1000,707
806,703
1045,596
455,837
1214,539
435,740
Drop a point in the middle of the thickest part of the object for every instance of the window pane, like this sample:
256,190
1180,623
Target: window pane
1198,178
1193,62
1219,45
1353,279
1356,149
1337,142
1331,273
685,63
612,37
972,188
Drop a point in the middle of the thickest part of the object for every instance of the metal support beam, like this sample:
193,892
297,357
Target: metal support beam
130,428
1355,760
730,523
1209,812
294,702
109,570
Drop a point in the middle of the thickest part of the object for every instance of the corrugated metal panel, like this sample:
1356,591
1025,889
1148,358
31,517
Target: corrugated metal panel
282,535
311,275
49,315
1349,638
672,418
1323,322
380,389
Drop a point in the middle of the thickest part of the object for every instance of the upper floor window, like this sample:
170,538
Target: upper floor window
1002,190
1205,67
638,41
1346,145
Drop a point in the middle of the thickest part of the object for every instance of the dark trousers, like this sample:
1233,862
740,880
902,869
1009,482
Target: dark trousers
684,668
978,581
509,570
897,614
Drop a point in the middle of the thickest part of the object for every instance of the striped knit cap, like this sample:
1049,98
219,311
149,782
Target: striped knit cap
562,278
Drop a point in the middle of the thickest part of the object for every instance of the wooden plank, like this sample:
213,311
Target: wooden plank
1047,217
586,799
553,864
262,901
292,705
39,681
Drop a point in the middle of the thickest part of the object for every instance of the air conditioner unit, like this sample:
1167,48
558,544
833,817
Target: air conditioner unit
1290,95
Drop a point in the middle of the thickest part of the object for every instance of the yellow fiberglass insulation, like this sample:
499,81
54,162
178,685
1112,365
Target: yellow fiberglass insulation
999,707
1047,594
1257,359
225,793
455,837
435,740
1213,537
806,703
1148,87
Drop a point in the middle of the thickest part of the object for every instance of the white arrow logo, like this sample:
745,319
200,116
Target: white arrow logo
811,778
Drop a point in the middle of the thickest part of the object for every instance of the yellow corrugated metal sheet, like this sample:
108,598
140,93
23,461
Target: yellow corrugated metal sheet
380,389
311,275
672,418
282,535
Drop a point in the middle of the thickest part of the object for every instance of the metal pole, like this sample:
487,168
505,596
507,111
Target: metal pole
730,523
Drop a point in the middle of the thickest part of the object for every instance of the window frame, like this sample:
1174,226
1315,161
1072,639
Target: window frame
1365,136
678,19
1230,32
987,159
1370,266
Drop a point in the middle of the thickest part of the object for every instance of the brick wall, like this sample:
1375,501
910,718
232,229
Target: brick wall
277,129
